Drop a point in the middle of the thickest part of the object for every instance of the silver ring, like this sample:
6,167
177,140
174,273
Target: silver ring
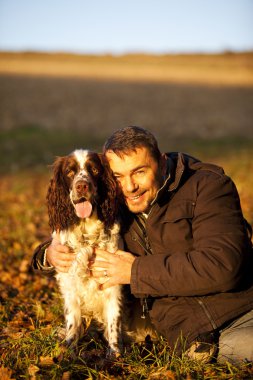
105,273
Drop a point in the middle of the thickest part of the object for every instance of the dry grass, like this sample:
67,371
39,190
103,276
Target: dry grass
170,95
223,69
174,112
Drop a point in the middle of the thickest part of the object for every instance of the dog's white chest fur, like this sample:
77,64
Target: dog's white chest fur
82,297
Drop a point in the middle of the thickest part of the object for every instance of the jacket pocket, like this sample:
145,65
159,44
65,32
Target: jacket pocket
180,210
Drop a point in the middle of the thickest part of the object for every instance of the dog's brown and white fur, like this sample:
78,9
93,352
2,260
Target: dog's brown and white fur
82,207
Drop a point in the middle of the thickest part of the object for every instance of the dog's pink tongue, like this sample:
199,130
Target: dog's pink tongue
83,209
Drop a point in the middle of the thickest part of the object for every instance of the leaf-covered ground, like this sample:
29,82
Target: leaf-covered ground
31,309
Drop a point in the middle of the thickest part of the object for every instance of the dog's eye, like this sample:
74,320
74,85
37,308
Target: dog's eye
70,173
94,171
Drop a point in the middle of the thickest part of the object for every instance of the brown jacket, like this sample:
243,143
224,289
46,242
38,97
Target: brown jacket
194,252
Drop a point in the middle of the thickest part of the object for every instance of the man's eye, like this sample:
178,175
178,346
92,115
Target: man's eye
140,172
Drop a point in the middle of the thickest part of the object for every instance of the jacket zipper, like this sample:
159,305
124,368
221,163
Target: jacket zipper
146,247
148,251
204,308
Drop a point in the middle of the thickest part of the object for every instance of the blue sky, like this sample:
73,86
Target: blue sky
114,26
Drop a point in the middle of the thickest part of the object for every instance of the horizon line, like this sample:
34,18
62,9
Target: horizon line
127,53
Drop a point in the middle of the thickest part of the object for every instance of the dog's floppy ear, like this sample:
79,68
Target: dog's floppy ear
60,209
108,194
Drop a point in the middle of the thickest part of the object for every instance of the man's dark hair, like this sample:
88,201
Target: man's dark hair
126,140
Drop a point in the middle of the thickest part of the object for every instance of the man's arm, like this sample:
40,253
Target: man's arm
39,262
216,261
52,256
213,264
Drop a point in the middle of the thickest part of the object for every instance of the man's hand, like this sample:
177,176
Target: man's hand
112,268
59,256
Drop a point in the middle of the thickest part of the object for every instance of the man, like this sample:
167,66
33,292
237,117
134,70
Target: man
188,254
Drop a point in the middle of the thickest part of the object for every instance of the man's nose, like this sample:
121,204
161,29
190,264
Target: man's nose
130,185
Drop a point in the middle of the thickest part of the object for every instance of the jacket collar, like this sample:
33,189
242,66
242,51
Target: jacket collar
174,172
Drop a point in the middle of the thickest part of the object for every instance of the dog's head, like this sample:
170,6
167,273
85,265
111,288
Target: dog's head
82,183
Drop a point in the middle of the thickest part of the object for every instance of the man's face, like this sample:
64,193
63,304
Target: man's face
139,175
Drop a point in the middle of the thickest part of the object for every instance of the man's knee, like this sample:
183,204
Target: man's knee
236,345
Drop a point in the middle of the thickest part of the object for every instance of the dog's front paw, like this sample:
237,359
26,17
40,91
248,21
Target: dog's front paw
61,333
73,334
113,354
71,342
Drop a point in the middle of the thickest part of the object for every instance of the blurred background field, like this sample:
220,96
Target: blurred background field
51,104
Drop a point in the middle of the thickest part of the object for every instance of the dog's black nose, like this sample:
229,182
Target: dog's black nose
81,187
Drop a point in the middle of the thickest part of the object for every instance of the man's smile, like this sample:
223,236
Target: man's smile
134,197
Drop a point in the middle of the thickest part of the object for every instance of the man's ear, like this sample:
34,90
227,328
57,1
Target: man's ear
163,164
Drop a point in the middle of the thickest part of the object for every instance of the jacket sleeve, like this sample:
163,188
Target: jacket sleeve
37,263
215,261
